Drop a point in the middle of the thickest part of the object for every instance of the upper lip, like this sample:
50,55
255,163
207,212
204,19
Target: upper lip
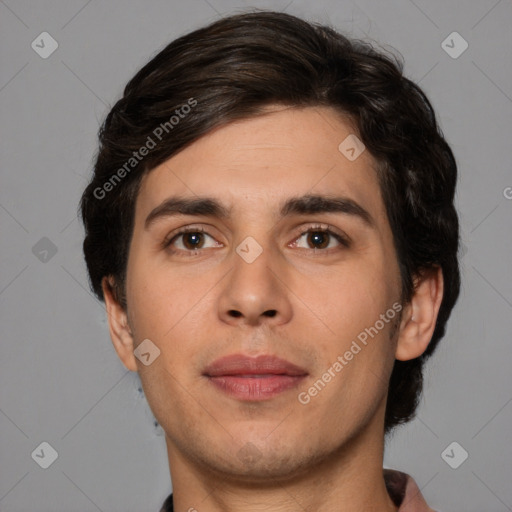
238,364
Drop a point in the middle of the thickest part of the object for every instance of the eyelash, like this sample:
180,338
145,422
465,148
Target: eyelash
343,240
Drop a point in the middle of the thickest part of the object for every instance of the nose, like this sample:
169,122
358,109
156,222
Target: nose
255,292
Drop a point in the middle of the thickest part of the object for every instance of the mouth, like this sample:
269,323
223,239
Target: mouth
254,378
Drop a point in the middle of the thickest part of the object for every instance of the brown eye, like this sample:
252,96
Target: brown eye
320,238
188,240
193,240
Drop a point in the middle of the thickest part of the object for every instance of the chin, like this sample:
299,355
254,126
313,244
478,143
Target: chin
260,458
251,467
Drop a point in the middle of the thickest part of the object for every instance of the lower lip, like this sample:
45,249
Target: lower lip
255,388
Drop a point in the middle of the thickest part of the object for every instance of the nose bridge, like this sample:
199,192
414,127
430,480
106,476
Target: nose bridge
254,261
255,245
254,289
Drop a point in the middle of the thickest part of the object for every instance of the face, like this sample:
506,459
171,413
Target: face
300,284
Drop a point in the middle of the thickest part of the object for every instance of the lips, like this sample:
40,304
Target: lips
253,378
237,364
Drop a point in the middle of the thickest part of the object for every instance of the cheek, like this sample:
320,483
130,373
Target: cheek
175,311
357,296
361,359
360,317
156,298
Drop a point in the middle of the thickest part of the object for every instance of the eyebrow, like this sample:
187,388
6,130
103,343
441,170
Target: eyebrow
304,205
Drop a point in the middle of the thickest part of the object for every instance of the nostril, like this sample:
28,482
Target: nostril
271,313
234,312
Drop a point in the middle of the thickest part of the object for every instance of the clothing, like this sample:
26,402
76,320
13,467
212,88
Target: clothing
404,492
401,488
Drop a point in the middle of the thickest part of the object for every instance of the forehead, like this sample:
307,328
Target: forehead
255,161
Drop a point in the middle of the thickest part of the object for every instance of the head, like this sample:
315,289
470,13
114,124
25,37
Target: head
251,111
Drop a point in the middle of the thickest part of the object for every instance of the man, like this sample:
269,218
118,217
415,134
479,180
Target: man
271,226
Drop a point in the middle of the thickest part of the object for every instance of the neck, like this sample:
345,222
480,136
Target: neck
349,479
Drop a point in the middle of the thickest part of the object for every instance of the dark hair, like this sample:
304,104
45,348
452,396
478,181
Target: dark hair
233,69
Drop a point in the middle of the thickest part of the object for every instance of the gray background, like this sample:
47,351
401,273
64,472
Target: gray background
60,379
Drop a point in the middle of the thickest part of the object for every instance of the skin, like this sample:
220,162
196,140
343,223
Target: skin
328,454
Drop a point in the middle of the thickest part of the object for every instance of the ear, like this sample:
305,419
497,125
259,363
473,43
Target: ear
420,315
120,331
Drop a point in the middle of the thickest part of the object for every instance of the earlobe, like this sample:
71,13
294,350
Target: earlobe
120,331
420,315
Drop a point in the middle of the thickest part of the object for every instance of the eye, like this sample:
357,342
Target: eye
321,237
192,239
